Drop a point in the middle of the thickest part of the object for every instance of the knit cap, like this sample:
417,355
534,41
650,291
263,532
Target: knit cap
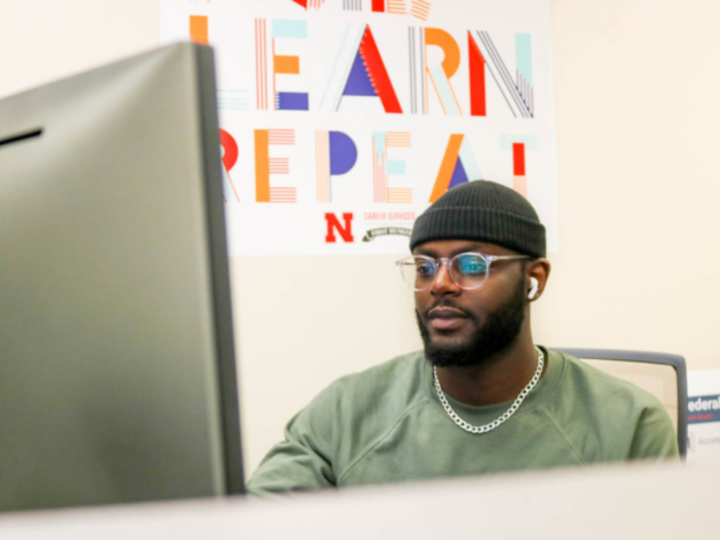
484,211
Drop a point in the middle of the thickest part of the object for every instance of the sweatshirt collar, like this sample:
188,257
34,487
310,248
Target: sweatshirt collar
544,389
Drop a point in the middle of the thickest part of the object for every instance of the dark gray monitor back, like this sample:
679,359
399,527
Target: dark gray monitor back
117,370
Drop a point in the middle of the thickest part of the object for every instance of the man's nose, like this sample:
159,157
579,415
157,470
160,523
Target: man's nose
443,283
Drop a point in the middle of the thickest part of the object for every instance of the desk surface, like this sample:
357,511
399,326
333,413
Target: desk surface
648,502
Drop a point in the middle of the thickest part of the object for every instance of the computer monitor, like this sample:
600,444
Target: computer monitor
117,366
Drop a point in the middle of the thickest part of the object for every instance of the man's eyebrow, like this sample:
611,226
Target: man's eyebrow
422,251
474,248
471,247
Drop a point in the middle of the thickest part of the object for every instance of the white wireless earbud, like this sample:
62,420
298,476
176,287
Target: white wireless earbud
533,288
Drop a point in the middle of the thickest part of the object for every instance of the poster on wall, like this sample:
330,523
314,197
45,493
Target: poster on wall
703,416
342,120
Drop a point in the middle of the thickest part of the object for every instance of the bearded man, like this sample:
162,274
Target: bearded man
481,398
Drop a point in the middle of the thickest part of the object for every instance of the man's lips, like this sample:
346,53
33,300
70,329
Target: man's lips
446,318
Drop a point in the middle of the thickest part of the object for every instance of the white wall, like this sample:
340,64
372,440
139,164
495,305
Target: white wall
638,188
639,178
43,40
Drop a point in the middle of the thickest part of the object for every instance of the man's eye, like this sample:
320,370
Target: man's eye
471,265
425,270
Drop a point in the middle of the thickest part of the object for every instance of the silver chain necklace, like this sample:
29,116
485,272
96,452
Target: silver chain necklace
477,430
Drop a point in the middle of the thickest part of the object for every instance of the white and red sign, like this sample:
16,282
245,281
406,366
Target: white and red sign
342,120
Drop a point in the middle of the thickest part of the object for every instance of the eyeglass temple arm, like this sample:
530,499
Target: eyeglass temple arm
507,257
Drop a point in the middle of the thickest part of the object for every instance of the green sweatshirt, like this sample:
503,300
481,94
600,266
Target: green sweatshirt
387,424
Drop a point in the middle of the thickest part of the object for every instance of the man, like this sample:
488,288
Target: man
481,397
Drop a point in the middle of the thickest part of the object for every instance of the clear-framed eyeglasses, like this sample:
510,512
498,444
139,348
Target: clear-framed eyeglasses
467,270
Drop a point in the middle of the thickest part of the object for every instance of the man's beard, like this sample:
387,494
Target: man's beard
497,334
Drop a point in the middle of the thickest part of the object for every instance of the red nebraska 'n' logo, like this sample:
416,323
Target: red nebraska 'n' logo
334,225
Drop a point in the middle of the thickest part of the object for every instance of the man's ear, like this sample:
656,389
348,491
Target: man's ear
537,273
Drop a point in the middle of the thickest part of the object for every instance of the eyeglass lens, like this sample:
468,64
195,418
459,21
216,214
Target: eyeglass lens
467,271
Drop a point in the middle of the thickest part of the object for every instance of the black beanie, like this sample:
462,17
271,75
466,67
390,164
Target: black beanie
484,211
